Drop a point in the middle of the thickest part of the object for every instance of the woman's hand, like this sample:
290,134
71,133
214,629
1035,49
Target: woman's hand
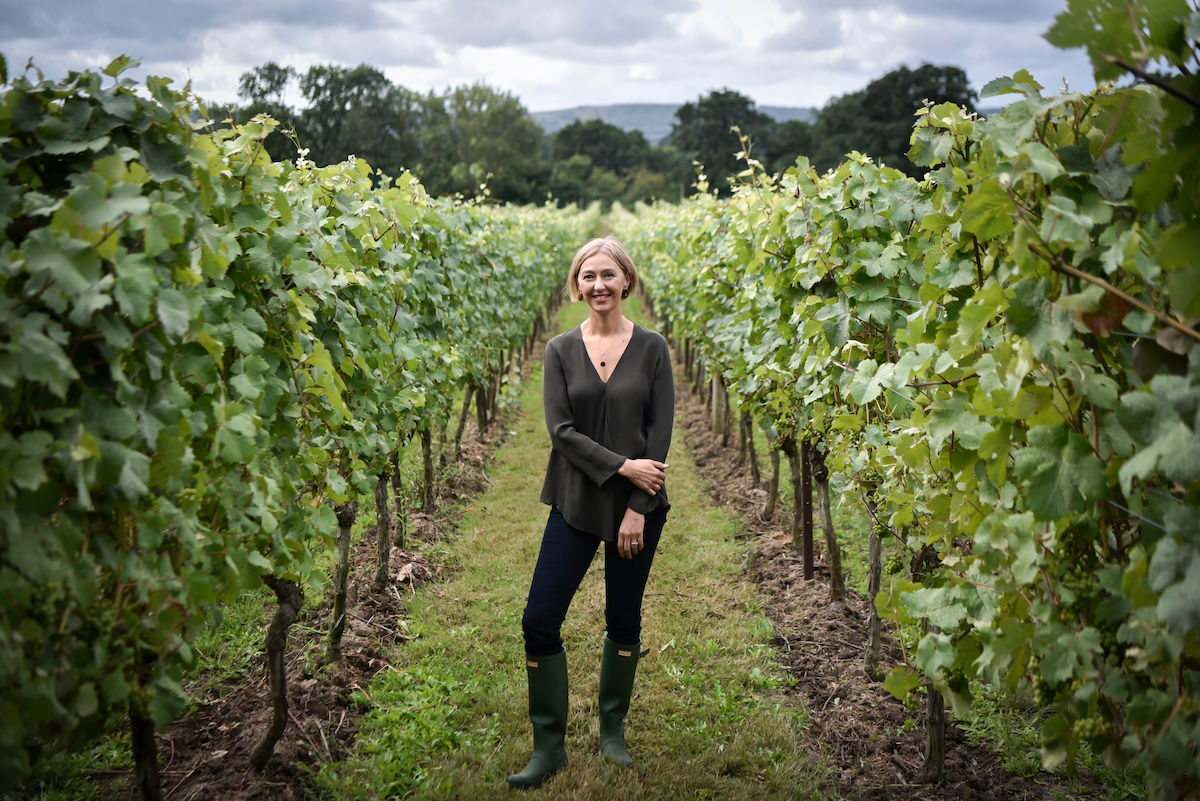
630,540
646,474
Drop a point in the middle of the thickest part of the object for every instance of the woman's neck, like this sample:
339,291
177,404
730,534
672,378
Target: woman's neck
605,324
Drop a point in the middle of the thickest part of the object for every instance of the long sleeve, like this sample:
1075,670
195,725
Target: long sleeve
660,421
596,461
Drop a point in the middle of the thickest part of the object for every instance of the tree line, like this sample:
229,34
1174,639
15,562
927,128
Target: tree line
475,139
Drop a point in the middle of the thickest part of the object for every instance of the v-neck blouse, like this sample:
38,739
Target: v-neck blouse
594,426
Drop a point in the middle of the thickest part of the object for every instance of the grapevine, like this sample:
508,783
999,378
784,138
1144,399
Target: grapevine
1004,356
203,353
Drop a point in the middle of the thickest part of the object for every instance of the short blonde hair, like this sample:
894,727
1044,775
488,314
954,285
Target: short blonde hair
610,247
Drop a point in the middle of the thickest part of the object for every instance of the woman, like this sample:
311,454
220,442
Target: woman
609,399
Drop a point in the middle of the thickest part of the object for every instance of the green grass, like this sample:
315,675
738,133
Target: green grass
709,717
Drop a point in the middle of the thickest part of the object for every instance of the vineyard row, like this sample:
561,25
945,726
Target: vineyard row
206,356
1001,361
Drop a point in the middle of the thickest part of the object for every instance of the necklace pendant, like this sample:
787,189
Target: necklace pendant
602,364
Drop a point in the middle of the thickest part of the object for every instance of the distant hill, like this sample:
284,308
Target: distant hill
654,120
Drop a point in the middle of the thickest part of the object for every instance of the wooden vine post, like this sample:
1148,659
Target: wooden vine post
801,501
401,518
481,410
145,752
290,598
751,453
427,475
934,770
773,484
874,579
462,423
837,582
346,513
807,515
720,409
383,533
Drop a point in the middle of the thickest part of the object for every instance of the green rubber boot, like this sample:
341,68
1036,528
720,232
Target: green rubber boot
617,669
548,714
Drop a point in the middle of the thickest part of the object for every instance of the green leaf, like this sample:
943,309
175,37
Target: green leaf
1184,286
1061,472
1063,222
1032,316
173,312
948,417
167,700
865,386
40,356
937,605
1055,742
28,473
901,681
1042,160
135,474
988,212
835,322
115,688
120,64
86,703
935,654
71,263
1021,82
234,446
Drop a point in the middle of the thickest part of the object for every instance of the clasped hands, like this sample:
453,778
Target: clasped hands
647,475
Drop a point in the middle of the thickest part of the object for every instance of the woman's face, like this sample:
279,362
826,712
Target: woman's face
601,282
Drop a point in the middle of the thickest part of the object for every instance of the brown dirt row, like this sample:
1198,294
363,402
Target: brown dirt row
875,746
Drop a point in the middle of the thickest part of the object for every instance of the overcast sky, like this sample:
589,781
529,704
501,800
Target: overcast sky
552,53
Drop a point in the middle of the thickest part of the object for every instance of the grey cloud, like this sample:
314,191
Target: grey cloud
485,23
811,33
977,11
170,19
171,37
164,29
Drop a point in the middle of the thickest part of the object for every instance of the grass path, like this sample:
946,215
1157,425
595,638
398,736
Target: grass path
708,719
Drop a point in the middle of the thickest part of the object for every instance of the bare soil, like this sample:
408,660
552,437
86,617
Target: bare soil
873,743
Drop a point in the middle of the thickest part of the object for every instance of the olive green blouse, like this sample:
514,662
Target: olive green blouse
594,426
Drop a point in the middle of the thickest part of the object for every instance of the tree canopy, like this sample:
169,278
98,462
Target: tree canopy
476,135
358,111
704,131
878,119
475,139
596,160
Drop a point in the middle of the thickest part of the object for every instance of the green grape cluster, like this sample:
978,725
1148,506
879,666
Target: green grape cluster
1085,598
1093,729
1043,693
894,563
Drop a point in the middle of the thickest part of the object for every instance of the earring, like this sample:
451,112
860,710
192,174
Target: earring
624,293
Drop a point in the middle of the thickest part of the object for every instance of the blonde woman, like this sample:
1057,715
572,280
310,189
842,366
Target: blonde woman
609,400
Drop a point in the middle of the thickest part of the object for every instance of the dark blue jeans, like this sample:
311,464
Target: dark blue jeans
562,562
